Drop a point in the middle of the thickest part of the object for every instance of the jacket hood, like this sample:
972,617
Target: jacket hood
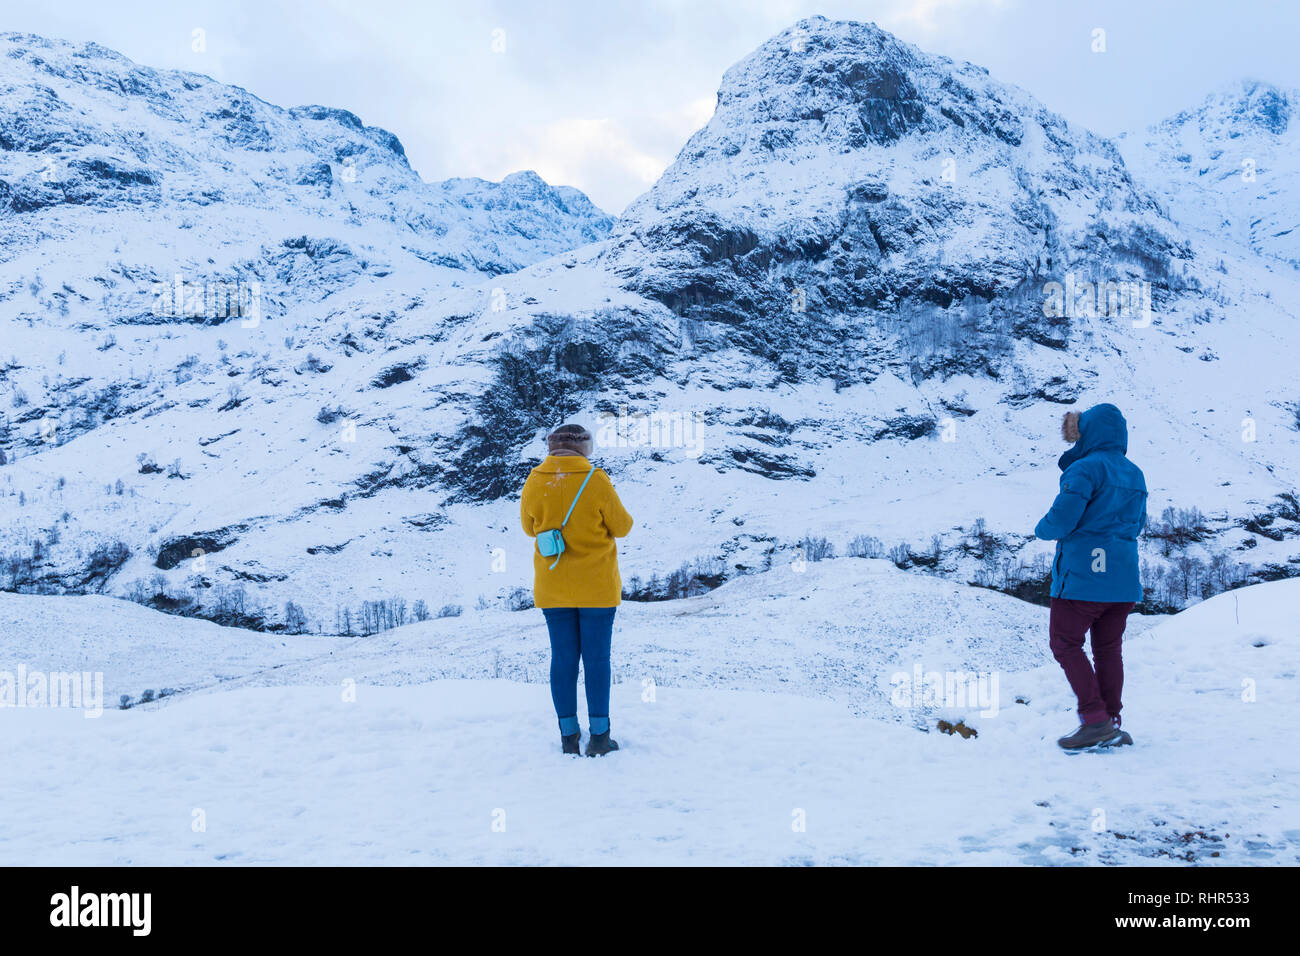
1101,428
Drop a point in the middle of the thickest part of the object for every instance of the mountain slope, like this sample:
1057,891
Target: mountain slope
1227,167
182,266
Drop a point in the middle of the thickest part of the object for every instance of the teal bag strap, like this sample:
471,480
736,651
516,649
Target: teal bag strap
581,488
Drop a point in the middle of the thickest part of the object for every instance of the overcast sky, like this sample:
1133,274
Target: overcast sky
601,95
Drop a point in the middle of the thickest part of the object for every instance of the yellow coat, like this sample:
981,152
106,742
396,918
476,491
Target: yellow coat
587,573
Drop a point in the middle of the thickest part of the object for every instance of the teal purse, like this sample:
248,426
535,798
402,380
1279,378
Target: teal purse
551,543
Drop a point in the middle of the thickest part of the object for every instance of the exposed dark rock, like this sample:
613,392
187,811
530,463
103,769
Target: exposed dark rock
176,550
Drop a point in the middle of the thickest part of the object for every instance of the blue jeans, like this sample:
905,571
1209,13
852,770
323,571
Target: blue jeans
580,632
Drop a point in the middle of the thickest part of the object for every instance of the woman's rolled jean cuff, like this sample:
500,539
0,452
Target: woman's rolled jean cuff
569,725
599,725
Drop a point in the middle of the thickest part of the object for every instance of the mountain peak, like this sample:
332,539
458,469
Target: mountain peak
845,165
1239,105
525,180
854,73
1265,105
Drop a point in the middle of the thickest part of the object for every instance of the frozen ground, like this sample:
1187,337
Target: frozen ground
770,708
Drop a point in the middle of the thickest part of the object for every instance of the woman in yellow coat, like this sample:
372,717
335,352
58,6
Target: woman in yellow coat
578,588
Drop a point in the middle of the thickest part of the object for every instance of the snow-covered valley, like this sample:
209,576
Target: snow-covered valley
435,743
267,399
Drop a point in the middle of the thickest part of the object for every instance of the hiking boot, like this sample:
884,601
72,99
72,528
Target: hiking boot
569,743
1090,735
1122,737
600,744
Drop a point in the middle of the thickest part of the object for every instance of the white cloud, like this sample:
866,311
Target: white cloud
609,161
931,15
569,150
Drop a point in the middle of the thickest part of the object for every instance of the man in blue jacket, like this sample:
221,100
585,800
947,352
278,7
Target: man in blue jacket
1095,520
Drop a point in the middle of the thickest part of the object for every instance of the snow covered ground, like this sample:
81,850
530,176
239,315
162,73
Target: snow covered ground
135,648
756,722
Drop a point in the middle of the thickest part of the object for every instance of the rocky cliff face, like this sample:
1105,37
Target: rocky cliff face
847,176
857,211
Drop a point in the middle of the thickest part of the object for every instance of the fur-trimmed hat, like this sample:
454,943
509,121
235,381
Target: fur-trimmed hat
571,438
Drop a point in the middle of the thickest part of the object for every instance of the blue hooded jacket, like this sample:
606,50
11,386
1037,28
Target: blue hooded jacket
1098,514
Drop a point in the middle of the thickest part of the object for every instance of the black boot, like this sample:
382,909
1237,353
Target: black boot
569,743
600,744
1090,735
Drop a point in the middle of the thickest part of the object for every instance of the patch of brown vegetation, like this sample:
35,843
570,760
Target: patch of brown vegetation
958,728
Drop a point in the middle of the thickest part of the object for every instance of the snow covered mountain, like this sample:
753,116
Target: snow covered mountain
846,174
194,166
1228,168
853,309
876,278
171,246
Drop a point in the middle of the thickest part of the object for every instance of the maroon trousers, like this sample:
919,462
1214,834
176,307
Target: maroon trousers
1098,690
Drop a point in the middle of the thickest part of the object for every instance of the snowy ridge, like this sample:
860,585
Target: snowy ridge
86,129
138,649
